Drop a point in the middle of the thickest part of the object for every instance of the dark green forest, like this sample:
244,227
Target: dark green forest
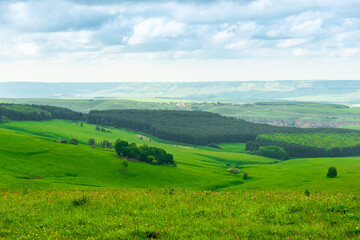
17,112
297,150
193,127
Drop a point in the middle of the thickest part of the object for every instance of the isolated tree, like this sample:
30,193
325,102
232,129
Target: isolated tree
91,141
125,164
332,172
245,175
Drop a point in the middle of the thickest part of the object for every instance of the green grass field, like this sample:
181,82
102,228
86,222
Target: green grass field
50,190
178,214
30,158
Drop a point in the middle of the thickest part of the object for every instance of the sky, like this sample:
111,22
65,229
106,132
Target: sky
182,41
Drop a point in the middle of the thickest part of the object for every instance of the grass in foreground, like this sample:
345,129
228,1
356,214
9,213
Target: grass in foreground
178,214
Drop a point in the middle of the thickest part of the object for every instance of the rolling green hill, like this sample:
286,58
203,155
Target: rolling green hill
30,158
301,114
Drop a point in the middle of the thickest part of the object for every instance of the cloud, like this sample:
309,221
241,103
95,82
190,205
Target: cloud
89,31
27,48
291,42
237,45
52,16
307,27
153,28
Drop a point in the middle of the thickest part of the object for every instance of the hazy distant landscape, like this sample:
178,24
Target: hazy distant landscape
245,91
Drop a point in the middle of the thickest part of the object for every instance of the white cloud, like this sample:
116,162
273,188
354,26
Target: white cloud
307,27
103,32
27,48
237,45
286,43
223,36
300,52
348,52
155,28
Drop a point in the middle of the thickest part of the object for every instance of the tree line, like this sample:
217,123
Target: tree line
199,128
27,112
297,150
7,114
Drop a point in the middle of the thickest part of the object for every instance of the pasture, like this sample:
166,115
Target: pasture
178,214
31,158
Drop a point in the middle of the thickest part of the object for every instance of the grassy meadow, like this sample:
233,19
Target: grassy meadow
50,190
40,163
178,214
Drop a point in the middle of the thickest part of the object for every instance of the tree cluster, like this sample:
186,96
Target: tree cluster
297,150
143,153
199,128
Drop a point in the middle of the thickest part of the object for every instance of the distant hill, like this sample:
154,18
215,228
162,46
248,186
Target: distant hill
251,91
193,127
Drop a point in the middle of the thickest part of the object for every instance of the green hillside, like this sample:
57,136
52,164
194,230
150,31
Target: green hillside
278,113
30,158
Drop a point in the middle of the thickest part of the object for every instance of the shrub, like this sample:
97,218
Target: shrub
245,175
106,144
332,172
307,192
63,141
91,141
125,164
154,162
74,141
78,202
228,164
97,128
